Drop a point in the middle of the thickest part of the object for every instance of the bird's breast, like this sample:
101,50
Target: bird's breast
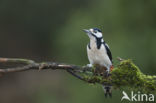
98,56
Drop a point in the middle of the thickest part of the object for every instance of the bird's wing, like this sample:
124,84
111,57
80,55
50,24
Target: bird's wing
108,51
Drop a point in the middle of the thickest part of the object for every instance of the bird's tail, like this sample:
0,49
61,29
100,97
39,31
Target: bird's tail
107,90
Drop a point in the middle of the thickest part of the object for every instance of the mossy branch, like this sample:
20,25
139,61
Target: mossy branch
126,74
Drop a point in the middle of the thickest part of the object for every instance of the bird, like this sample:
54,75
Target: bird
99,54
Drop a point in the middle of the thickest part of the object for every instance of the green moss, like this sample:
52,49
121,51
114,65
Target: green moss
127,74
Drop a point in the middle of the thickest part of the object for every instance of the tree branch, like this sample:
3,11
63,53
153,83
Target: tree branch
126,74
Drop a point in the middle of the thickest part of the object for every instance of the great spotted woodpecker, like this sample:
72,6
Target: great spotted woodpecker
99,53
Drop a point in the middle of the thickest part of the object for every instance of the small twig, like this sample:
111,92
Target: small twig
75,75
16,60
120,59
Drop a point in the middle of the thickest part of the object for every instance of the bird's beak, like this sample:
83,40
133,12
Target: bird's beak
87,31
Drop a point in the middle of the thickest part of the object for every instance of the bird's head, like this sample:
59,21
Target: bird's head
94,33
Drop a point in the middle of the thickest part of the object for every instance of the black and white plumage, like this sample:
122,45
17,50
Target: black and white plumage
98,52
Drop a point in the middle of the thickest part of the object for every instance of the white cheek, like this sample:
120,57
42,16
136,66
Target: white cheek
98,35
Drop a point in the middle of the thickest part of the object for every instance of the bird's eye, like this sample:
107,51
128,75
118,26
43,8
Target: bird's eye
95,31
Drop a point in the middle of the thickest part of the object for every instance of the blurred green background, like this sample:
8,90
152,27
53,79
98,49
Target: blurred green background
51,30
